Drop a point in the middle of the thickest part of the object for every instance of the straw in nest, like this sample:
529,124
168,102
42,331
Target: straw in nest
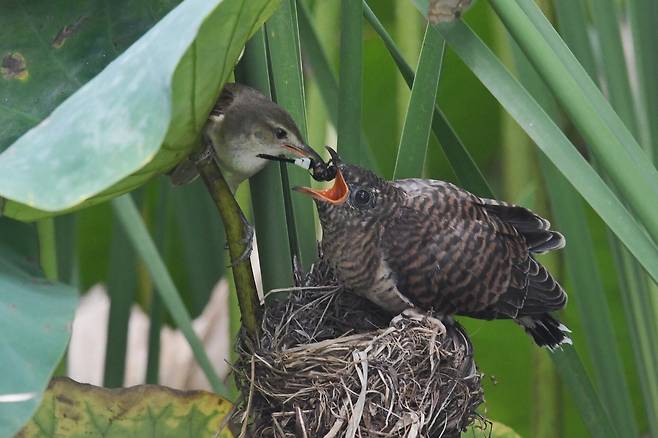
330,364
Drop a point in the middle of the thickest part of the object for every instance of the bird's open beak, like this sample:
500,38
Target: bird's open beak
336,194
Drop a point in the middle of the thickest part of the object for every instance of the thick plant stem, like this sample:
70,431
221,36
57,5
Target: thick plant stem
234,224
350,88
47,248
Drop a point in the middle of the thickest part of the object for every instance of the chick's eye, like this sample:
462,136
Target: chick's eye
280,133
362,197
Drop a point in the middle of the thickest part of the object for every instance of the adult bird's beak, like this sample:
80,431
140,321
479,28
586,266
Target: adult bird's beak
336,194
304,151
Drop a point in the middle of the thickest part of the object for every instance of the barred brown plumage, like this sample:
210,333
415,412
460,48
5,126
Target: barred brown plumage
432,245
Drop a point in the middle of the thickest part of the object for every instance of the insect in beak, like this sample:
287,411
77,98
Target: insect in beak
320,171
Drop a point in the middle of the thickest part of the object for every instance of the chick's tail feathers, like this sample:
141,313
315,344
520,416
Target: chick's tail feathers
545,330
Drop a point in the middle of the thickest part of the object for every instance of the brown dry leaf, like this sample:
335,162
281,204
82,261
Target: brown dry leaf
440,11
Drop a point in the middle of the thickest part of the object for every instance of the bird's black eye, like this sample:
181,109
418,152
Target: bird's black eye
280,133
362,197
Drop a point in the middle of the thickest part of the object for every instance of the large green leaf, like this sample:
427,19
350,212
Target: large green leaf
136,118
60,49
72,409
35,322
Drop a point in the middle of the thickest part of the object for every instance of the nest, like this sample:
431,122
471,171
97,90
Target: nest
330,364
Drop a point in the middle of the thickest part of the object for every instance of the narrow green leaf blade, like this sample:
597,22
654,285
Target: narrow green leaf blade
134,226
321,68
633,283
548,137
418,121
572,20
643,16
590,299
328,85
266,187
639,307
619,154
580,262
288,84
350,82
606,22
204,256
121,289
575,378
552,141
460,159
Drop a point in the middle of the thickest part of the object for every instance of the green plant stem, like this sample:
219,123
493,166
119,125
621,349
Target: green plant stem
350,82
288,90
574,376
156,315
634,290
267,191
606,22
47,248
48,261
156,311
121,289
590,300
326,80
640,314
572,20
418,122
235,226
460,159
643,16
129,216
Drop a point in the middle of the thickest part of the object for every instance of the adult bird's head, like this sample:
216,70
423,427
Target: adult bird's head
357,198
245,124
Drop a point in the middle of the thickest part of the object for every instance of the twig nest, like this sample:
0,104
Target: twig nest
330,364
